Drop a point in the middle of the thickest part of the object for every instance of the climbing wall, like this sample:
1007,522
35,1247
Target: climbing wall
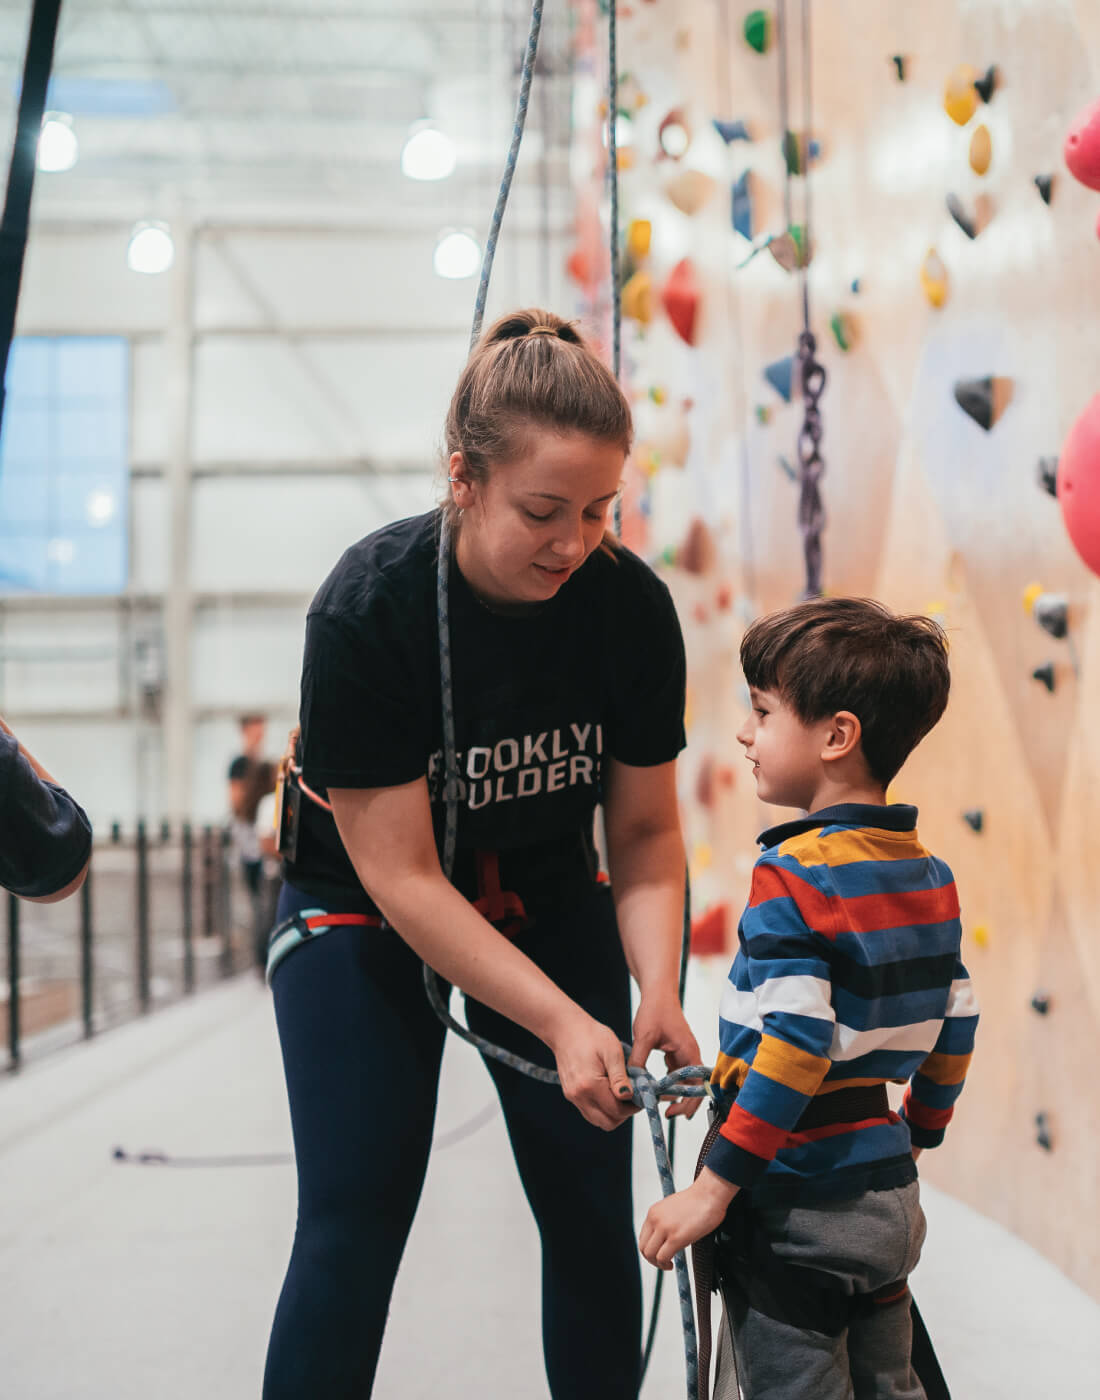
930,507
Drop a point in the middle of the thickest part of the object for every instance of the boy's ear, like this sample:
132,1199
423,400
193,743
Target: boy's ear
843,736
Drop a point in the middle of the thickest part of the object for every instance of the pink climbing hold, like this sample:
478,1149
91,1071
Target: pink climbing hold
1082,148
1079,484
680,298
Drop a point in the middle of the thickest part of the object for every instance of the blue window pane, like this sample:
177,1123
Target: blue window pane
29,367
24,501
23,564
91,367
91,433
25,440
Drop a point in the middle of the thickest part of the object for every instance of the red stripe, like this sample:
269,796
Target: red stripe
338,920
835,1129
859,913
753,1134
925,1117
773,882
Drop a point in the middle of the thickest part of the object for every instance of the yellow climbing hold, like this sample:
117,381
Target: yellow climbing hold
638,298
702,857
981,935
638,237
937,609
981,150
1032,593
960,99
933,278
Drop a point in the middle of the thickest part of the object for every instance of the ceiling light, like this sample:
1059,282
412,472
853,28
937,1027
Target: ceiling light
151,248
57,145
429,154
100,507
457,254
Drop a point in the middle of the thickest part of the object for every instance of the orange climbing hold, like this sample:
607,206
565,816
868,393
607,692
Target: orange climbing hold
981,150
680,299
960,98
933,278
638,237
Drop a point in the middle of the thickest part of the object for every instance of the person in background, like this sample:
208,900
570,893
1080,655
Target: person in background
45,837
251,778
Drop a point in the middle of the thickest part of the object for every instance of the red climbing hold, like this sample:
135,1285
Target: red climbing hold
1079,484
708,932
680,299
1082,148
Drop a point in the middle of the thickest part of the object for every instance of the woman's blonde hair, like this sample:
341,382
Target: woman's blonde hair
531,369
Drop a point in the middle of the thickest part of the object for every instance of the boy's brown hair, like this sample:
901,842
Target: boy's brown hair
832,654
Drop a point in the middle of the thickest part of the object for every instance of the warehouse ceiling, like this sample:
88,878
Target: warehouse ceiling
292,111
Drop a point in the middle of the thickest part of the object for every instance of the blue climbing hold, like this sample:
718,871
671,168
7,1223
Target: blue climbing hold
732,131
780,375
857,286
741,207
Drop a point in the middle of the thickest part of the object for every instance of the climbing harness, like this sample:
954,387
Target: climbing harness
811,510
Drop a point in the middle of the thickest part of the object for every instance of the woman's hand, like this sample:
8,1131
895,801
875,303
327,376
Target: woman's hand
686,1216
593,1071
660,1025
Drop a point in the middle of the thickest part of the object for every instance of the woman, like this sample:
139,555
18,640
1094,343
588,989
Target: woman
569,691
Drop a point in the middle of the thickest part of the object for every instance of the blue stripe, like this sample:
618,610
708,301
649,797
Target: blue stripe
957,1036
846,1149
933,1095
804,1032
879,1064
737,1041
894,877
905,1009
905,941
773,1102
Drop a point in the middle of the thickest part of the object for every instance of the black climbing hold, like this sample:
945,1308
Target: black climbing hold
985,87
961,217
1045,674
1051,612
732,131
975,398
1048,474
780,375
1042,1132
975,818
857,286
741,206
1045,185
1040,1002
901,64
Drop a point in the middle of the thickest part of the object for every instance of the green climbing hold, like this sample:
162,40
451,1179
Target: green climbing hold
841,327
763,413
901,64
758,30
791,249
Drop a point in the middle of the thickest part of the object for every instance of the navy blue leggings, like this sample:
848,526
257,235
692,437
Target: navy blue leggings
350,1007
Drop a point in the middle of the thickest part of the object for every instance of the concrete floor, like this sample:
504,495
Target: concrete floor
128,1282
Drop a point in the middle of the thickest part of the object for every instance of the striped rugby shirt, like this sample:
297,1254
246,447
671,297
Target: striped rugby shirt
848,974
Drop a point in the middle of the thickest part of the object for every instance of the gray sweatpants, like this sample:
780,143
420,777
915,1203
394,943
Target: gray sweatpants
864,1244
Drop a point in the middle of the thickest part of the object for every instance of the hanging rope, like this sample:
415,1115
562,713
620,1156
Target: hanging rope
811,509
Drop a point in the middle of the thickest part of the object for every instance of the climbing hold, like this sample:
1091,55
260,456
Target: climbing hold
843,329
786,468
984,400
857,286
680,298
638,236
981,150
1045,674
981,935
1031,595
690,190
975,819
702,858
794,152
960,100
901,66
763,413
697,553
724,599
961,217
637,298
780,375
704,783
791,249
708,931
1051,612
1045,185
758,30
985,87
726,776
1079,484
741,208
657,394
674,134
732,131
1082,149
1048,474
933,278
1042,1132
1040,1002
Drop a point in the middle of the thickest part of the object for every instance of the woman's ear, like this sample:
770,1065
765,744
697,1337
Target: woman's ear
843,737
462,492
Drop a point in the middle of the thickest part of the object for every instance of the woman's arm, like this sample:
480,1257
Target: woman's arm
387,833
645,851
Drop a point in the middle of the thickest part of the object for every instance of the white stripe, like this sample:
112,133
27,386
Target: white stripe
797,996
850,1045
740,1008
962,1000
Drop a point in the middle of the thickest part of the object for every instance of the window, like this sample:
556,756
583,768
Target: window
64,468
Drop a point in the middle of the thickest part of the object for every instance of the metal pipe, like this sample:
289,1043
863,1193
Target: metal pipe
188,893
86,963
13,982
225,903
142,848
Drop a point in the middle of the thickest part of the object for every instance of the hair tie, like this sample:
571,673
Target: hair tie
544,330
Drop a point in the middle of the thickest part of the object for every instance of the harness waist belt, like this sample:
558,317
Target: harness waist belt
845,1106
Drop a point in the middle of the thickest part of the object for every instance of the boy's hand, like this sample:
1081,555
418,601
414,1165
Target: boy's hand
681,1219
660,1025
916,1153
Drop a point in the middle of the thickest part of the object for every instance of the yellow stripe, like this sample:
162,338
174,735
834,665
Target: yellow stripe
789,1065
844,847
729,1073
946,1069
834,1084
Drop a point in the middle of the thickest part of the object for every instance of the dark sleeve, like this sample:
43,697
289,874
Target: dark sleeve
365,713
645,723
238,768
45,838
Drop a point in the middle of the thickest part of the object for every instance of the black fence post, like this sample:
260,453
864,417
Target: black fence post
225,902
142,848
86,964
209,873
13,982
188,893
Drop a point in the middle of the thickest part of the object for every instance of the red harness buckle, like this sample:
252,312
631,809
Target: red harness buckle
503,908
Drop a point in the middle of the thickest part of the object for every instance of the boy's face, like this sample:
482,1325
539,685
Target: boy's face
784,751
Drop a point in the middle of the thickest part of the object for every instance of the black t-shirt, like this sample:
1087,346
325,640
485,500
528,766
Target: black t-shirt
45,838
540,699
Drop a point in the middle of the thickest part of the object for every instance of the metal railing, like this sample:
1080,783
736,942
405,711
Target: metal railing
128,942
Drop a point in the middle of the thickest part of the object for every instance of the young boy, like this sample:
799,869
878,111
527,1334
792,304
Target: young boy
848,976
